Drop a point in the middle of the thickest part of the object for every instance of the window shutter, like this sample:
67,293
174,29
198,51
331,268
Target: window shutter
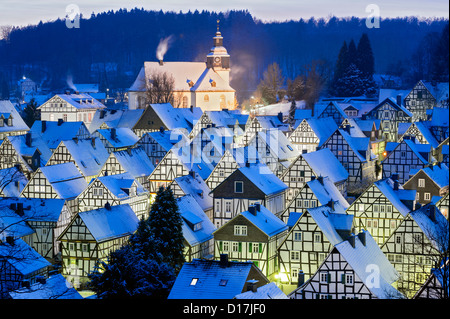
240,247
220,246
317,296
260,247
343,278
328,278
250,247
330,297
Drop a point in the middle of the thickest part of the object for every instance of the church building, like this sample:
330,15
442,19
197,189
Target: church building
197,84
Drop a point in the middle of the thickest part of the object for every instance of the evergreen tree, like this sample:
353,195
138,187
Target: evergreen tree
341,66
351,83
31,113
440,62
292,109
352,56
165,223
365,60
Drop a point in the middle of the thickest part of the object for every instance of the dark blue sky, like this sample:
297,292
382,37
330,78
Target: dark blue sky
23,12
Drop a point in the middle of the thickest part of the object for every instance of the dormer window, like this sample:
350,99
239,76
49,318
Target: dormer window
213,83
1,122
190,83
10,121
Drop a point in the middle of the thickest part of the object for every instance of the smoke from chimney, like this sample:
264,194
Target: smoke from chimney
163,46
69,82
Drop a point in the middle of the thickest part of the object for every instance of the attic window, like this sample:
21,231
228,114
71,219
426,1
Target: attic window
10,122
223,282
213,83
190,83
1,123
194,281
289,147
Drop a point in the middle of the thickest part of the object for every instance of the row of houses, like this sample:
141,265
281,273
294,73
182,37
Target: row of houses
292,198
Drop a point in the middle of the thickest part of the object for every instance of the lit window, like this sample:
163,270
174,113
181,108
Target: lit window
194,281
427,196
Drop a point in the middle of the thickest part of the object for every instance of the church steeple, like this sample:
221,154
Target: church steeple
218,57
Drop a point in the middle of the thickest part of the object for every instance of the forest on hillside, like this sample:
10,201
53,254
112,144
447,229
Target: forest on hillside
109,48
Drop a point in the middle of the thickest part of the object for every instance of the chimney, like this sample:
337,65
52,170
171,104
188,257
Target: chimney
41,279
28,139
43,126
161,62
10,240
17,185
301,278
432,212
19,210
280,116
161,129
251,285
313,177
320,179
60,121
223,260
192,173
417,206
113,133
93,142
13,206
304,151
362,237
364,116
399,100
108,206
192,108
258,207
331,204
75,139
102,113
252,209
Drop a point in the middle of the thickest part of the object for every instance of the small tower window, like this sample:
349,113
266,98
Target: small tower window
206,98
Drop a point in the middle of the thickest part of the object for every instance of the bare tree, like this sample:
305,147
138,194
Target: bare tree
160,88
271,84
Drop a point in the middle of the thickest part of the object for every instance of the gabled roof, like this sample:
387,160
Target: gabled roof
280,145
55,287
437,173
89,155
325,191
323,128
37,144
118,183
115,118
362,256
168,138
12,224
192,214
78,101
268,291
359,145
55,132
124,137
173,118
18,123
331,223
65,179
263,179
208,279
135,161
393,104
264,220
36,209
324,163
110,223
197,188
12,182
22,257
204,82
396,197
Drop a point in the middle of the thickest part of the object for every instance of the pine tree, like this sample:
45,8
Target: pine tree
291,118
165,223
31,113
365,60
341,65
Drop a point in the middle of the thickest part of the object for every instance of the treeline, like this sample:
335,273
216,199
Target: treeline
110,47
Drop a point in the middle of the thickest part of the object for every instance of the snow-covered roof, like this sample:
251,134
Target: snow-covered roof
325,190
322,127
265,220
124,137
37,143
110,223
279,144
12,224
89,154
197,188
36,209
208,279
22,257
268,291
135,161
192,214
118,183
18,123
55,132
331,223
438,173
439,116
206,80
439,90
78,101
396,197
391,93
65,179
324,163
359,145
115,118
267,182
172,117
168,138
421,150
365,255
55,287
12,182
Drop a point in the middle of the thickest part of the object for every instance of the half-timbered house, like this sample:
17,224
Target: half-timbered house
425,96
348,273
11,123
334,111
311,133
434,287
416,246
253,235
20,265
245,186
402,157
12,182
115,190
428,182
108,118
354,153
70,108
63,181
390,114
197,230
233,120
88,155
91,236
311,236
262,123
381,208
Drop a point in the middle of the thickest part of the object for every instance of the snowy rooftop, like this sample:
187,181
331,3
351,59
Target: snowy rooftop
117,184
107,224
192,214
36,209
18,123
55,132
197,188
115,118
265,220
65,179
324,163
37,143
396,197
124,136
267,182
135,161
325,190
268,291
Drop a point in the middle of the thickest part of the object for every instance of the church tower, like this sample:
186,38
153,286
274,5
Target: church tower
218,58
